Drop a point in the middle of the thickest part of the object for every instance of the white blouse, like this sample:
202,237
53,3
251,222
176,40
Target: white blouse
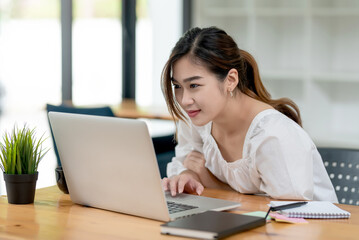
279,159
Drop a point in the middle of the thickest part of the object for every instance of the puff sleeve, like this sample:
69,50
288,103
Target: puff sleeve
188,140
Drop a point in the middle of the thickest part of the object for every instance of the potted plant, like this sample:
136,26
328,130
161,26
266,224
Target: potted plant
20,154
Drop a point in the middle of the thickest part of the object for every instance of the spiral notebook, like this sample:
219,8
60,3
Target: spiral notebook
314,209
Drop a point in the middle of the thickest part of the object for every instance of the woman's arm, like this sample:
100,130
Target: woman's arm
195,162
180,179
285,167
279,162
188,139
283,160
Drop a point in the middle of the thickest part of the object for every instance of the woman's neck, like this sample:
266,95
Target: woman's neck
238,114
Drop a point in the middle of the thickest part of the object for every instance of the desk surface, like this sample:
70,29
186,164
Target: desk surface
129,109
54,216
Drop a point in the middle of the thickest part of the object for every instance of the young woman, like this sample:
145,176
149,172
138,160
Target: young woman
231,134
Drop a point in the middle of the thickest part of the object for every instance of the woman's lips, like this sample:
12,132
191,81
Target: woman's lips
192,114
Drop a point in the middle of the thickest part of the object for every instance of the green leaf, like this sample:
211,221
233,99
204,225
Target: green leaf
21,152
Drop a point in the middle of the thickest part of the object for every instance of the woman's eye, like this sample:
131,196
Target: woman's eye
194,85
176,86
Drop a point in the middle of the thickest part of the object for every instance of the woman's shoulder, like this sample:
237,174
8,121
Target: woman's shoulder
276,129
272,118
272,123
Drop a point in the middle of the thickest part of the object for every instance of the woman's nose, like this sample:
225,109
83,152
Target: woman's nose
187,98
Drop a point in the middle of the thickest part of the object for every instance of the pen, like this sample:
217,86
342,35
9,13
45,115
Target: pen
286,206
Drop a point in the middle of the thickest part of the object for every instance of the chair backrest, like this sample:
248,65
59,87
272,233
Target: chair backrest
164,143
342,166
165,150
98,111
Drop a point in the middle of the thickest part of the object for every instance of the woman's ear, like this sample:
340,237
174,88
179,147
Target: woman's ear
231,81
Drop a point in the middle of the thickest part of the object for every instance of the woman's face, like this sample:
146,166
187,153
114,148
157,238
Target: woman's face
198,91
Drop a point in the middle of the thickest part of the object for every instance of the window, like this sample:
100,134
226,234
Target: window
97,52
30,70
159,26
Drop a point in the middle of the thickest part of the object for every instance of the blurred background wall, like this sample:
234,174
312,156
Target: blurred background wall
306,50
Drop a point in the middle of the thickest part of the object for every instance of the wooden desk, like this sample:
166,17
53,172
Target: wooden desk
54,216
129,109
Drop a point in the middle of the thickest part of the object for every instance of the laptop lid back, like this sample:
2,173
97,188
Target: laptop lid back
110,163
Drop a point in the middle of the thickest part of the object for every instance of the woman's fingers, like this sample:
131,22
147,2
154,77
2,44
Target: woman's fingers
181,183
173,185
194,160
183,180
199,188
165,184
196,154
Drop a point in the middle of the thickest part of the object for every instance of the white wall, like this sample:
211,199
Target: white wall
306,50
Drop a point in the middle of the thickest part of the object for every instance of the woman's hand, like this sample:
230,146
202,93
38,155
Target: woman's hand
187,181
195,162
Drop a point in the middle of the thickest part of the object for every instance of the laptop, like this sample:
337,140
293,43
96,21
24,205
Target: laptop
110,163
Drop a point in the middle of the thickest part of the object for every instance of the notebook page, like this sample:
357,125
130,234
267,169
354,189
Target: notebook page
313,209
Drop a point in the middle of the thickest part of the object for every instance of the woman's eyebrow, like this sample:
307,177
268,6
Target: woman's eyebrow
189,79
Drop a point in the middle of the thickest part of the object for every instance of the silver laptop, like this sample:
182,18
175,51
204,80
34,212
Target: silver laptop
110,163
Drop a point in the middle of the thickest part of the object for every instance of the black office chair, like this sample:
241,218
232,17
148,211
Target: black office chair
165,151
343,168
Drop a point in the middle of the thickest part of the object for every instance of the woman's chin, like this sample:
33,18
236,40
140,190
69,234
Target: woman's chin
199,122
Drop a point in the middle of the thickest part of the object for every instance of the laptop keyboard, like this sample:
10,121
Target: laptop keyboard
178,207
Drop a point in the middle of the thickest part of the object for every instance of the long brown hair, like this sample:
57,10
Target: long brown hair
215,49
